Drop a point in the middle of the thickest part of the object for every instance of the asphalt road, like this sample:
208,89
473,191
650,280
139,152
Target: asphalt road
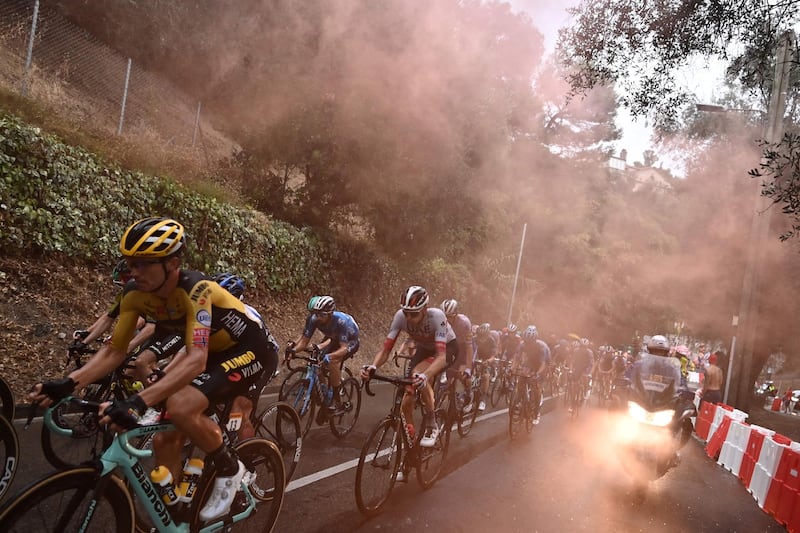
564,476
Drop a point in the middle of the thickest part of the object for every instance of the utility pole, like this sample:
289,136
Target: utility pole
759,231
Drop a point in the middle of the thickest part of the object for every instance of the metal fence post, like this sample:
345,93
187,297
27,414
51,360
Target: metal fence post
29,58
124,98
196,123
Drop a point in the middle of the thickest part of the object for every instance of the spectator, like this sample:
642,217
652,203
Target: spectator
712,383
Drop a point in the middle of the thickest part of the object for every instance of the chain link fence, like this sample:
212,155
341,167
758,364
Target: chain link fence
48,58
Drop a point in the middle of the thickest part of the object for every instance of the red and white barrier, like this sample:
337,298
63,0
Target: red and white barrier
732,452
767,463
751,453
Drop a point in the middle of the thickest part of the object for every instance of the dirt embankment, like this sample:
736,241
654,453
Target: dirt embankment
42,301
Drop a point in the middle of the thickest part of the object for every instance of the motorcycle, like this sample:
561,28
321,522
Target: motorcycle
656,424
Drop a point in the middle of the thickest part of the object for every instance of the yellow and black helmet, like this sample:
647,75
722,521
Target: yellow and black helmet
152,237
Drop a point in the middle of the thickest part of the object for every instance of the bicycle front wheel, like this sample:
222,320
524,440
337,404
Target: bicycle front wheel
301,398
280,424
467,419
7,406
87,442
9,454
431,460
516,412
342,422
291,378
63,502
377,466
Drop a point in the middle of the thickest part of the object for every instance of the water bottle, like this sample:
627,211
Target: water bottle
162,479
189,479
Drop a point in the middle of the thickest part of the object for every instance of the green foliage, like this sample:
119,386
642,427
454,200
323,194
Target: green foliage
660,38
59,199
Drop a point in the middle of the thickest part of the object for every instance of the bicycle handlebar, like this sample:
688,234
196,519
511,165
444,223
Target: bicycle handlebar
397,382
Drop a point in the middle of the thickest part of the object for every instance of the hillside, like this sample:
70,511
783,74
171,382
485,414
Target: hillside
44,300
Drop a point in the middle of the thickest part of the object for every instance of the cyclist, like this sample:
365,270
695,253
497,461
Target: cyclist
534,356
120,275
227,351
581,361
436,349
339,344
487,344
509,342
603,367
462,327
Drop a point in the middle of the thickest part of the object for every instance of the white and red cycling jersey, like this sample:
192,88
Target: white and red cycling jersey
431,334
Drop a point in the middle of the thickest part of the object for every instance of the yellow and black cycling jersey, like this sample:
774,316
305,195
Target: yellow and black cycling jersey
202,312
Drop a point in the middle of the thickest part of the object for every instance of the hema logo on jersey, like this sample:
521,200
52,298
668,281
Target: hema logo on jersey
234,323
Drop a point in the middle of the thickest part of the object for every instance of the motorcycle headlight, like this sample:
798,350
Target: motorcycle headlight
658,418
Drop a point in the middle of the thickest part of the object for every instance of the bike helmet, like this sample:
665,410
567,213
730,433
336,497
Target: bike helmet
414,298
530,333
450,307
152,237
512,328
121,273
484,329
682,350
231,283
658,345
585,342
321,304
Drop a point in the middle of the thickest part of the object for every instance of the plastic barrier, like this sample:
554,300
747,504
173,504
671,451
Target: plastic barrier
732,452
705,417
768,460
785,485
776,404
718,437
751,453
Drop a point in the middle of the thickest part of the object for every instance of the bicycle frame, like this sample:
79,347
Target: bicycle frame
123,455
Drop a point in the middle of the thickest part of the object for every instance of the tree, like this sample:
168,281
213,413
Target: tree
642,47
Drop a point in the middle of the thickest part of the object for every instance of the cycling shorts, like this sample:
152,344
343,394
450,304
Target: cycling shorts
423,354
233,371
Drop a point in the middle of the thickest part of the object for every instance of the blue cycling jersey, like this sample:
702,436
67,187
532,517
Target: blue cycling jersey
342,329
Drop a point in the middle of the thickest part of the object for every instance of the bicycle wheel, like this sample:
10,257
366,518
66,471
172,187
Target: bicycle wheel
342,423
301,399
86,444
516,413
9,454
467,419
60,502
291,378
7,406
264,464
378,464
497,392
529,408
431,460
280,424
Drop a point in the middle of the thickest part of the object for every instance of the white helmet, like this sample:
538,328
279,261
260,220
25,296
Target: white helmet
450,307
658,345
414,298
